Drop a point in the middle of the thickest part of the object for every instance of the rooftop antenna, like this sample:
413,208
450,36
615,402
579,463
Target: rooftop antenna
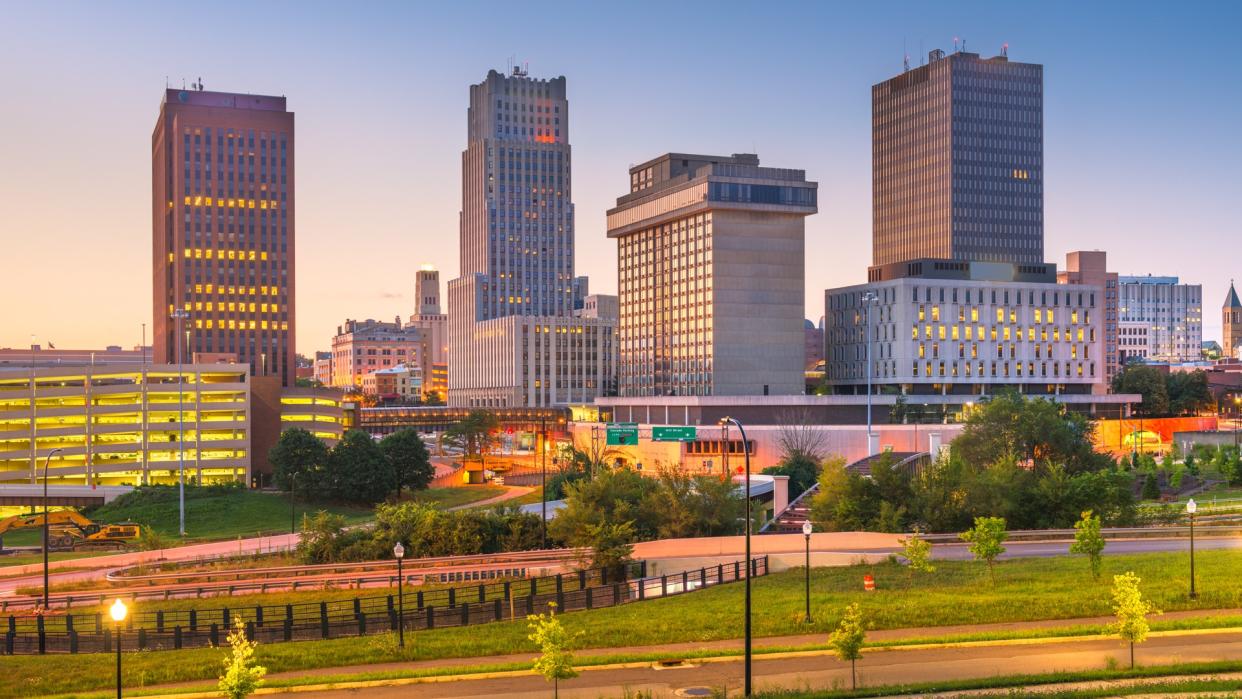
955,44
963,45
1005,49
200,83
166,82
183,83
905,57
922,54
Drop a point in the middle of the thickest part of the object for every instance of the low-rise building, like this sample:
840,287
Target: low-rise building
361,347
399,383
1172,313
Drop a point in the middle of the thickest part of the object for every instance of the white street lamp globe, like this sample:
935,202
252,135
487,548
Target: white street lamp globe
398,550
1191,506
118,610
806,528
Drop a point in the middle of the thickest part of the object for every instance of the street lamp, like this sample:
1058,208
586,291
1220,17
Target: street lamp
868,298
293,511
806,532
47,514
1191,506
746,452
398,552
118,612
180,315
543,483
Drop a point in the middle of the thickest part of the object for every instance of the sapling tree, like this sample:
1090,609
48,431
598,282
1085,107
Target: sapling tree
1131,610
917,552
847,640
1088,540
242,676
987,541
555,661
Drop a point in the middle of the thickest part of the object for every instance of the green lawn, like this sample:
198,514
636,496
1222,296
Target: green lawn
227,515
531,498
957,593
457,496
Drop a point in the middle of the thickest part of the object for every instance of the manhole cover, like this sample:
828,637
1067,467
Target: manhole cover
694,692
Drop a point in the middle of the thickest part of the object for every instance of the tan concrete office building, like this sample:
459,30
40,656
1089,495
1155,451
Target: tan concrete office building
710,270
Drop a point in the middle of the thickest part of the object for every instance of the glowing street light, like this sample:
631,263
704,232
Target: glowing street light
118,610
398,552
806,532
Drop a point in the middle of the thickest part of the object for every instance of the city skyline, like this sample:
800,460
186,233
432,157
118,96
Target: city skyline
1135,158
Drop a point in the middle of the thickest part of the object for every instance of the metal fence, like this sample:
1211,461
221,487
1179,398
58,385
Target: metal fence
359,616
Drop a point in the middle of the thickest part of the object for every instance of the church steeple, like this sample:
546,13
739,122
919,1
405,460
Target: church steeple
1231,317
1231,301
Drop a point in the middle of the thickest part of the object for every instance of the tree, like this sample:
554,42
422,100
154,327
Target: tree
847,640
296,459
1151,487
612,545
1147,381
917,552
323,538
801,469
409,459
433,398
555,661
474,434
1131,610
1031,431
1088,540
798,437
242,676
987,541
358,472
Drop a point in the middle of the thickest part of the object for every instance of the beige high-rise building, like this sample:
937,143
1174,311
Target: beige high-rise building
710,268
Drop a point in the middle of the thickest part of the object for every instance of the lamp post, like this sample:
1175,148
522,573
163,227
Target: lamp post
293,511
47,514
746,452
118,612
1191,506
543,483
806,532
398,552
180,315
868,298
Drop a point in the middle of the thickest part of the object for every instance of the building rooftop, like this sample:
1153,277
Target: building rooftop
231,100
1231,301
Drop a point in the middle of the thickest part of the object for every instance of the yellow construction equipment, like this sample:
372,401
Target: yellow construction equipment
68,530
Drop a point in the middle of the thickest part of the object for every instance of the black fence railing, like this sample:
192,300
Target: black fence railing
359,616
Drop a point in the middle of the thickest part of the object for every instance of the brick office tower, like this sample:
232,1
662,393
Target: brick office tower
223,229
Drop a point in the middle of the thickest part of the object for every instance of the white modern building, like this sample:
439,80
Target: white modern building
1165,314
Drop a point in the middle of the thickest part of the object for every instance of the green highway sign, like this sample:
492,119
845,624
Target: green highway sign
673,434
622,434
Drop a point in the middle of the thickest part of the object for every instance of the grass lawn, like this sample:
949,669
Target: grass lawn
531,498
213,516
456,496
957,593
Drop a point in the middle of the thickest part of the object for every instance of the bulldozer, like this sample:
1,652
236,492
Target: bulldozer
69,531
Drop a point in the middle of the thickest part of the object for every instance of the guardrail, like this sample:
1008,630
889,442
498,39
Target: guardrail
359,616
1109,533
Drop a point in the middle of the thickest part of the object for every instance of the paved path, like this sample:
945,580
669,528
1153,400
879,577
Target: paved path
818,670
512,492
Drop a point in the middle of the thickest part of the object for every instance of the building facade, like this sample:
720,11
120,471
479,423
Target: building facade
120,424
1091,267
362,347
401,382
323,368
223,230
599,306
957,162
710,269
37,355
517,257
965,336
1165,313
1231,318
431,321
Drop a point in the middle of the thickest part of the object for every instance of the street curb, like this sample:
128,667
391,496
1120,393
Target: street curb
782,655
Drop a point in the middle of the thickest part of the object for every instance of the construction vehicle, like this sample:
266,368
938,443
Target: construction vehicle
68,530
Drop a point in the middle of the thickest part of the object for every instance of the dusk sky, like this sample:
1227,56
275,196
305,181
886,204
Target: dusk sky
1143,103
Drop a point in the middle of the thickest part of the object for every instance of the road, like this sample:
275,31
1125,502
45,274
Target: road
819,670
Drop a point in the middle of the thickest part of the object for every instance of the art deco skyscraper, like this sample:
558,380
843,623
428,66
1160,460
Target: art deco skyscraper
517,257
223,229
957,162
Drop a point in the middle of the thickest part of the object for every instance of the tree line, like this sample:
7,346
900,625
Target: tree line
356,470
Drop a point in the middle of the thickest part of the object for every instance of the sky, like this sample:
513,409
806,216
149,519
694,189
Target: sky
1143,102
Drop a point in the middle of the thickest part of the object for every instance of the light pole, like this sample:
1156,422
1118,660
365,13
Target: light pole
1191,506
746,452
47,514
868,298
543,483
293,511
180,315
806,532
398,552
118,612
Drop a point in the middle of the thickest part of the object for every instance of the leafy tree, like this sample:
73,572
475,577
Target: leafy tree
324,538
242,675
1147,381
801,469
1151,488
555,661
1088,540
297,454
845,501
612,497
847,640
433,398
987,541
683,505
917,552
357,470
474,434
612,544
409,459
426,530
1028,431
1131,610
1188,392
